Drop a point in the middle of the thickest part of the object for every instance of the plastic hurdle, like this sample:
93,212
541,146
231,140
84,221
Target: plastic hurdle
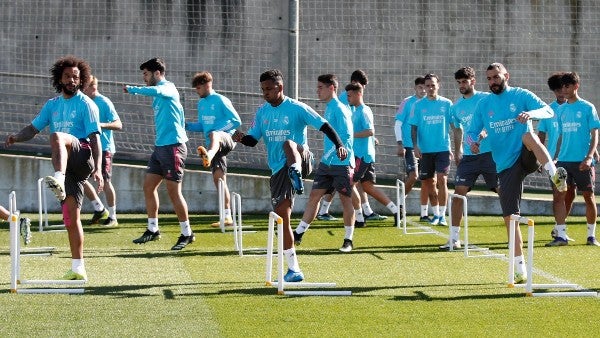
43,210
15,262
401,201
280,283
529,285
483,252
238,227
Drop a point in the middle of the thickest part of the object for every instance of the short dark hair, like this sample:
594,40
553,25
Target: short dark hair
201,78
464,73
359,76
154,64
328,79
569,78
554,81
431,76
419,81
85,71
354,87
274,75
497,65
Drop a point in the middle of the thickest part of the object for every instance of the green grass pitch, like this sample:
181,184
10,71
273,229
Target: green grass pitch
402,285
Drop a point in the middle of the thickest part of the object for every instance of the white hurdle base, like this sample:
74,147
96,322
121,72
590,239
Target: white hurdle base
238,228
15,261
280,283
401,201
468,248
43,210
529,285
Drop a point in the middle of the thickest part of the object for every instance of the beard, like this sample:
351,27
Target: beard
498,88
69,90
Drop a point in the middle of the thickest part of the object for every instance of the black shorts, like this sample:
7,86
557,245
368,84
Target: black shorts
226,145
168,161
363,172
80,165
584,180
432,163
511,181
471,166
280,183
334,177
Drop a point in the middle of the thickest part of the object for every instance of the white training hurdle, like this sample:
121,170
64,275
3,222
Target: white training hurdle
401,201
43,209
15,261
482,252
238,227
280,283
529,285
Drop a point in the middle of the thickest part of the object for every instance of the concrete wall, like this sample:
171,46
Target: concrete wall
21,173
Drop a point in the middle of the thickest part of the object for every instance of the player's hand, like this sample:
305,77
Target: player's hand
586,164
523,117
417,152
376,140
342,153
475,148
10,140
237,136
100,180
400,152
125,89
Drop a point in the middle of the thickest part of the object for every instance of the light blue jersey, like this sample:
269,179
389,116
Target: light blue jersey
344,99
432,119
402,115
215,112
577,120
462,116
77,116
364,147
276,125
339,117
497,113
108,114
169,118
551,129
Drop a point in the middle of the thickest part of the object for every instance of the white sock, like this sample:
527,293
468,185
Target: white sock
112,212
186,230
591,230
349,231
227,212
550,168
77,265
366,208
60,176
302,227
436,210
292,259
520,265
324,209
455,233
153,224
424,211
98,206
359,215
442,210
561,230
392,207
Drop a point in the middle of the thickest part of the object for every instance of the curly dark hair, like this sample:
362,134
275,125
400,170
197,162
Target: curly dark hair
85,71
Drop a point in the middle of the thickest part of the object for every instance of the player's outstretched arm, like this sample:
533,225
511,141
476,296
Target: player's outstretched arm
25,134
